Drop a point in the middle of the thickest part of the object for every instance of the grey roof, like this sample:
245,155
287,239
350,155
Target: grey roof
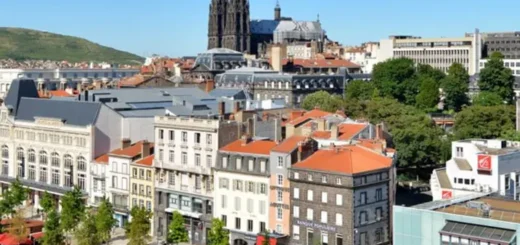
444,180
263,26
71,112
221,51
462,164
478,232
136,95
304,26
236,94
199,108
20,88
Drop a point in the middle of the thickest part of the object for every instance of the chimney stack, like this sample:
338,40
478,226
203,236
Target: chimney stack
300,151
221,108
145,149
210,85
379,131
244,139
126,142
334,132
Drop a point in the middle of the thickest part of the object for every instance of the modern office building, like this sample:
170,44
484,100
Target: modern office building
479,166
342,195
479,219
507,43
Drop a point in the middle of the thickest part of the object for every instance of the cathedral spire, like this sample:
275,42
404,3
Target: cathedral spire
277,11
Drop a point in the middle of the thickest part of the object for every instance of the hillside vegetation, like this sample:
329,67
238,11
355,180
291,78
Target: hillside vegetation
24,44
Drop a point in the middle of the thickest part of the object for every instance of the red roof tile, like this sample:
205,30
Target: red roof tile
132,81
258,147
102,159
289,144
313,114
60,93
351,159
132,151
345,131
147,161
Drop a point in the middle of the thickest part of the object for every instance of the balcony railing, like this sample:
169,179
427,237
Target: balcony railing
183,167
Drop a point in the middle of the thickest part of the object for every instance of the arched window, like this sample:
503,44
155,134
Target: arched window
67,161
55,159
43,157
5,151
31,155
19,153
82,164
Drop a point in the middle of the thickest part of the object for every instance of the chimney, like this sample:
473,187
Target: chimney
277,58
379,131
334,132
210,85
332,146
244,139
300,151
145,149
126,142
277,129
251,126
236,108
221,108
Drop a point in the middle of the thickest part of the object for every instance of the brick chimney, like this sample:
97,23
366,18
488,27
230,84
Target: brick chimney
210,85
379,132
221,108
125,143
334,132
145,149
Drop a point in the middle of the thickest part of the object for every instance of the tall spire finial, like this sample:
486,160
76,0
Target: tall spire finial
277,4
318,17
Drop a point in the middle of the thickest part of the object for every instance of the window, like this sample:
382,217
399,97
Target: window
323,179
114,166
31,156
224,162
324,197
460,151
32,172
161,134
197,138
114,181
338,181
379,235
148,205
250,225
134,188
279,229
148,191
250,165
279,213
55,177
339,219
363,217
224,220
262,166
171,156
310,194
82,163
263,189
296,193
296,212
184,137
363,198
323,217
261,207
172,135
296,232
296,175
43,174
55,159
379,213
379,194
209,139
279,195
161,154
19,153
310,214
280,180
339,239
124,168
237,203
237,185
363,238
280,162
197,159
324,238
309,177
250,186
238,163
237,223
197,182
184,158
339,199
209,161
81,181
5,151
224,183
141,173
249,205
148,174
262,226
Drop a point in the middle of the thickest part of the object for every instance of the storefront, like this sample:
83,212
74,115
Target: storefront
274,239
121,218
242,238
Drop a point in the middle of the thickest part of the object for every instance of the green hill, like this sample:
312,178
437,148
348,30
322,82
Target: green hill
23,44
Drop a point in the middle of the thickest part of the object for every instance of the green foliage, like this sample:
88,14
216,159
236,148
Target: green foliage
105,220
47,202
22,44
486,98
494,77
511,134
396,78
52,229
323,100
138,229
359,90
266,238
485,122
72,209
355,108
455,87
218,235
429,71
428,97
12,198
87,233
176,230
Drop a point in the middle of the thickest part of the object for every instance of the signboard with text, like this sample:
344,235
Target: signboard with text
484,163
447,194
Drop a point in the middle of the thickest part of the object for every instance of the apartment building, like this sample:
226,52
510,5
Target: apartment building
142,183
47,144
479,166
242,179
513,64
186,149
342,195
440,53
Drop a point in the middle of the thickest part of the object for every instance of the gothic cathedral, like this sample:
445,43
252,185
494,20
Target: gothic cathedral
229,25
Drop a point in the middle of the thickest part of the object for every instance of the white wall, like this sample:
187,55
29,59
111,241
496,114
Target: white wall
138,128
108,131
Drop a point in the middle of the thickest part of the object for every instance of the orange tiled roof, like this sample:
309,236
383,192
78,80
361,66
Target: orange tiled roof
102,159
60,93
131,151
132,81
351,159
147,161
345,131
289,144
316,113
259,147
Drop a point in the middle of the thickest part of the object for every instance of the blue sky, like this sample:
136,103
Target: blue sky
179,27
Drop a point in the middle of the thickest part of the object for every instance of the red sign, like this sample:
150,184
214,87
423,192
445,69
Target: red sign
484,162
446,194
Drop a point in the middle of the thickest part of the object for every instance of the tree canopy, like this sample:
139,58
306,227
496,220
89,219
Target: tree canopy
87,233
177,232
218,235
72,209
396,78
486,98
428,97
138,229
323,100
485,122
52,228
455,87
105,220
494,77
359,90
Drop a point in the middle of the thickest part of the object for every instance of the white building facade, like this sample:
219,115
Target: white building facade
479,166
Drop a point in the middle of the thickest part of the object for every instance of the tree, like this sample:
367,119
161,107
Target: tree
176,230
105,220
323,100
455,87
218,235
428,71
52,229
486,98
72,209
47,203
428,97
87,233
359,90
396,78
138,229
487,122
18,227
494,77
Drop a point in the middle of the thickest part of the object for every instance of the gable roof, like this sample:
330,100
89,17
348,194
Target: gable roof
345,131
256,147
20,88
289,144
147,161
350,159
71,112
132,151
315,113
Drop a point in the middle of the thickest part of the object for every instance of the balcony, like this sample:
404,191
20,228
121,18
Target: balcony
98,175
183,167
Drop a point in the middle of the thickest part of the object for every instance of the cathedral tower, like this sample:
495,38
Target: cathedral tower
228,25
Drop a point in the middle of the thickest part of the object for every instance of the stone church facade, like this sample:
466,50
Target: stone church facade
229,25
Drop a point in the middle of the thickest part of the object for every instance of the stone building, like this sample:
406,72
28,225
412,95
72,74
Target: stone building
342,195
